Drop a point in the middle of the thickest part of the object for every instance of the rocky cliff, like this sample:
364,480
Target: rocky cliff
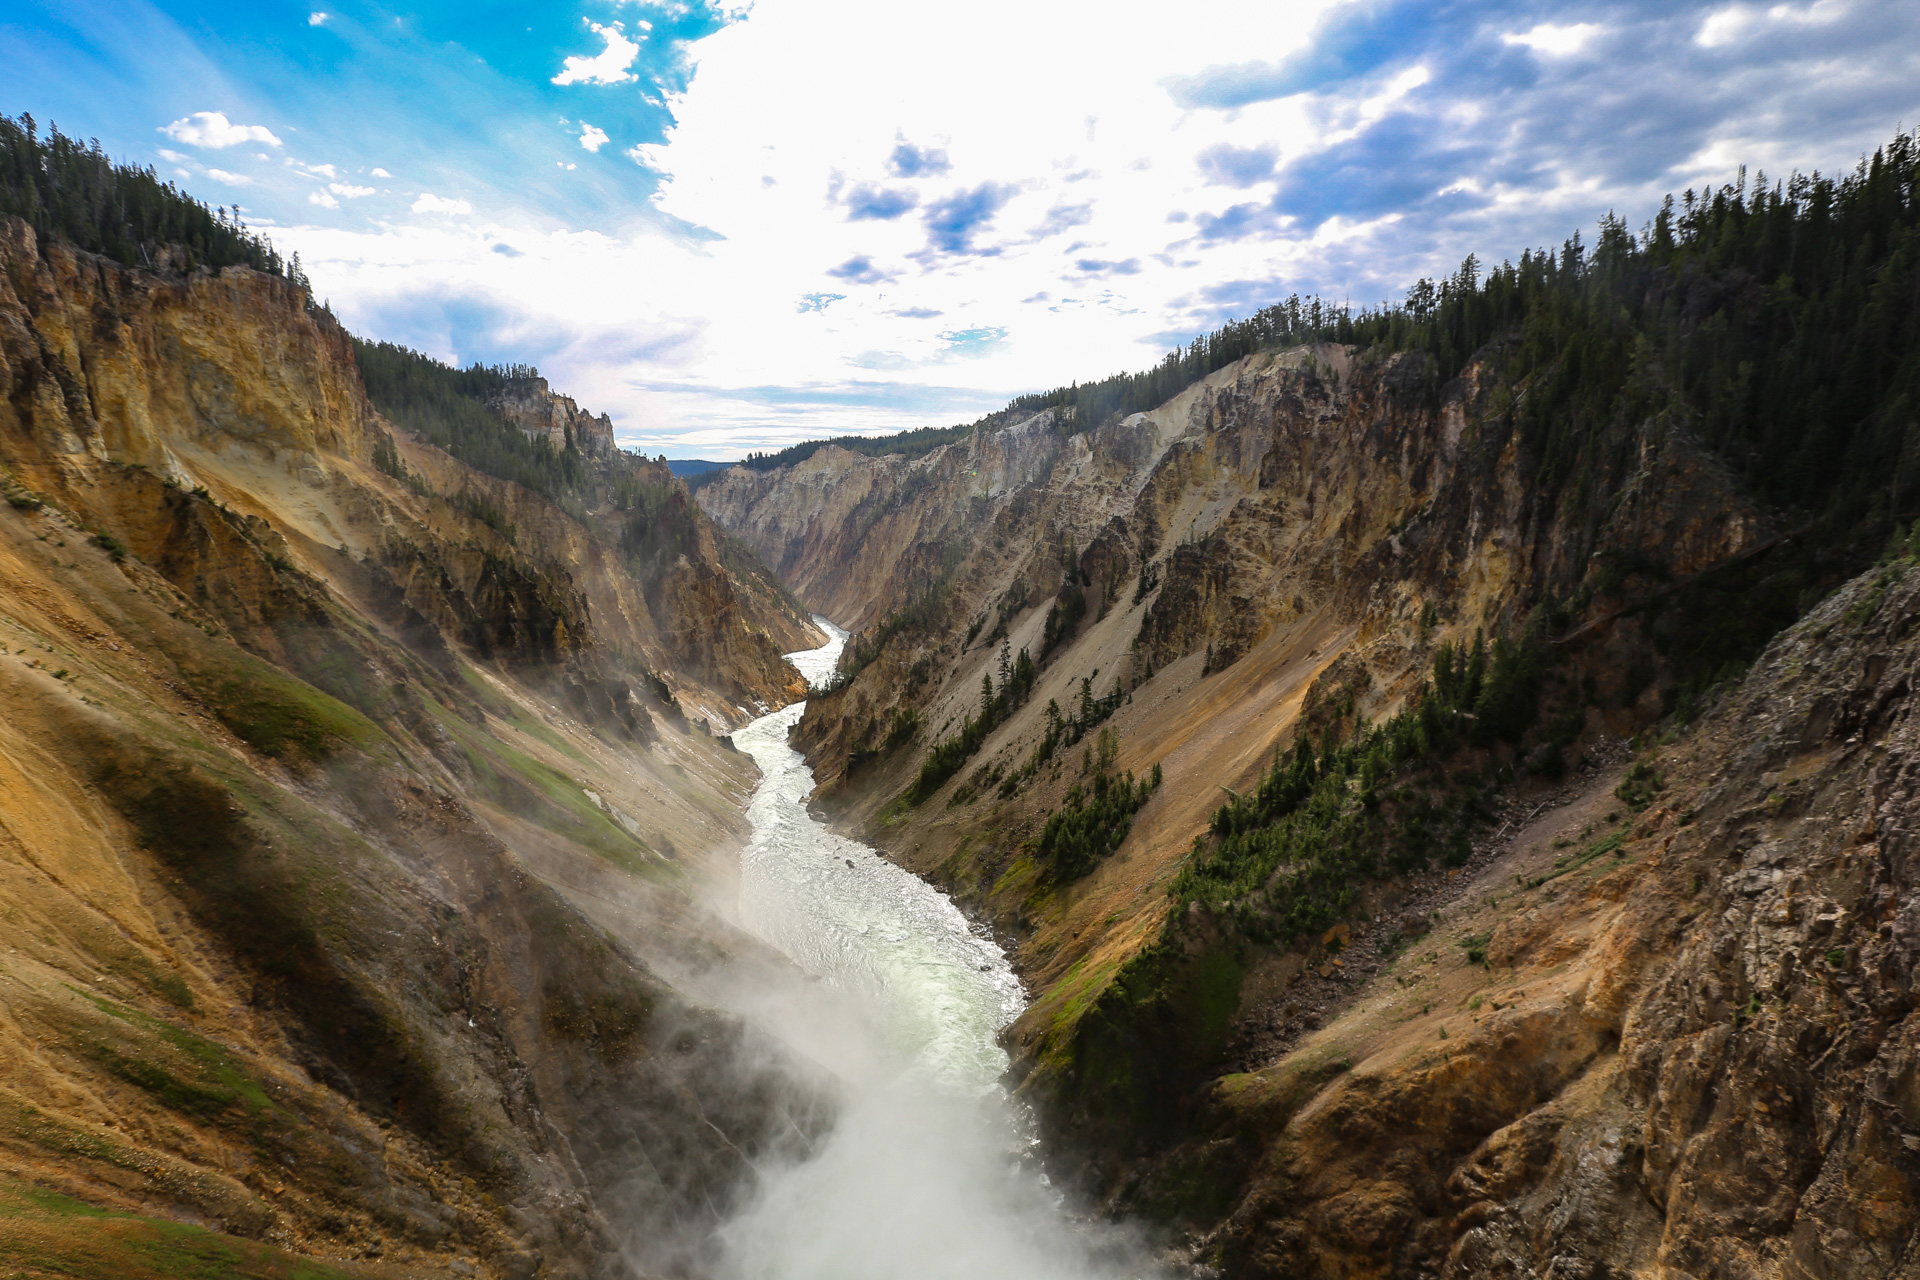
1280,553
531,405
356,810
860,537
1686,1053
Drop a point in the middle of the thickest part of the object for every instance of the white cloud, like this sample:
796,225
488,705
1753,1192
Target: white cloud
663,330
1741,21
317,17
231,179
592,139
213,129
348,190
430,203
172,157
380,173
322,199
609,66
1548,38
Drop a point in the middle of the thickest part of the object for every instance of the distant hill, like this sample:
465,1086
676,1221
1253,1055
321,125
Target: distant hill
684,467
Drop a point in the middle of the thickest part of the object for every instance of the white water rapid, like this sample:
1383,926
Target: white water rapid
921,1177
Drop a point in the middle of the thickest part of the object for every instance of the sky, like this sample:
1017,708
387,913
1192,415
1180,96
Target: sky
734,228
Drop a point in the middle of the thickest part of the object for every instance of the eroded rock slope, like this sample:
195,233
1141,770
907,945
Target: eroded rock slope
1278,555
352,816
1689,1055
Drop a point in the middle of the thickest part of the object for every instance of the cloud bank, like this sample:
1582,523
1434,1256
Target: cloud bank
798,191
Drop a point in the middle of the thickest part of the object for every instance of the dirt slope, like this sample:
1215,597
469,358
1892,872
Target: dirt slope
350,847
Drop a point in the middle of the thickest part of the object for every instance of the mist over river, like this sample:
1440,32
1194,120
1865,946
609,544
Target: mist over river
923,1175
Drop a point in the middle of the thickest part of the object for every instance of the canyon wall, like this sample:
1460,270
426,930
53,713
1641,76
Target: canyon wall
355,817
857,537
1280,552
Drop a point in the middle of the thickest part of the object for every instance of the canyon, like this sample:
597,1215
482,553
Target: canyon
1392,800
354,842
1578,1046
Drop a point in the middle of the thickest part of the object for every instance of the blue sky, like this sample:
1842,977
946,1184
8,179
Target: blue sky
734,228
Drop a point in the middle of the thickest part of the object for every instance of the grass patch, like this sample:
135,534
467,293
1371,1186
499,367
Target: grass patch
542,732
541,793
1086,984
1475,945
517,715
1641,785
1022,876
284,717
1573,862
215,1084
43,1233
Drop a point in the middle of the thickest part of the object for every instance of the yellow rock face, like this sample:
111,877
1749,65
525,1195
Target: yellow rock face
343,835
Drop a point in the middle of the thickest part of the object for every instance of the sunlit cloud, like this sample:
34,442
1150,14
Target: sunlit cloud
213,129
813,220
1739,22
430,203
609,66
1551,39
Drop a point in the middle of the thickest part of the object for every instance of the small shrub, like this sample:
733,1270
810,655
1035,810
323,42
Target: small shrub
1641,785
1094,820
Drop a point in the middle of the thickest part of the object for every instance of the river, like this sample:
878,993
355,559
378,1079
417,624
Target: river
923,1175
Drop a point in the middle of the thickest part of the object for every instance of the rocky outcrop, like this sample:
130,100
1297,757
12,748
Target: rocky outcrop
1686,1057
354,816
231,384
529,404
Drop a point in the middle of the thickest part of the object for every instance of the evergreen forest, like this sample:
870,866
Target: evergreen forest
72,190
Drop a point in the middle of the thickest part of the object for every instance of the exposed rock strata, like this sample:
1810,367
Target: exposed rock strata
1297,532
346,840
1687,1059
857,537
532,406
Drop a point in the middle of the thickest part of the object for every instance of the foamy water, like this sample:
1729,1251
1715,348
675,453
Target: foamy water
922,1176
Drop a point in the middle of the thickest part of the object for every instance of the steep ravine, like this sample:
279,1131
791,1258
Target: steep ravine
354,849
1559,1073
